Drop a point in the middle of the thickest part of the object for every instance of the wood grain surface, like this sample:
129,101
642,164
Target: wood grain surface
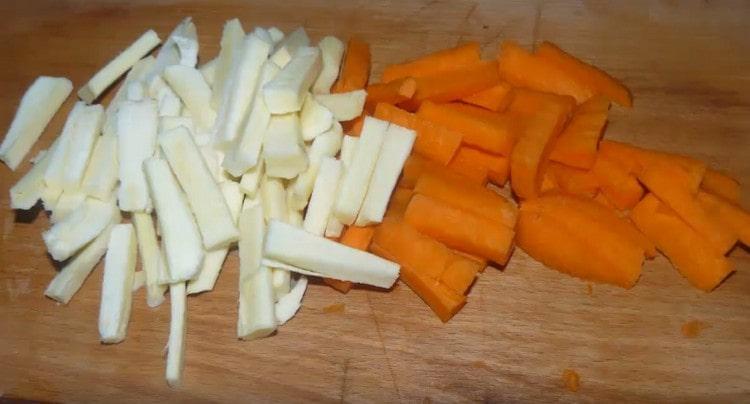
688,64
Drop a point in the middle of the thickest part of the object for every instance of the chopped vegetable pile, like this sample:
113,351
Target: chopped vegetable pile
286,150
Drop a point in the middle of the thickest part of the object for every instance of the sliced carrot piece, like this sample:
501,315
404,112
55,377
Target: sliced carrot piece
498,167
573,181
355,68
434,141
604,201
483,129
459,229
601,82
468,197
354,127
528,102
460,274
496,98
437,62
358,237
478,173
728,213
522,69
394,92
571,240
671,184
454,84
577,144
416,166
620,187
721,184
688,251
341,286
441,299
398,203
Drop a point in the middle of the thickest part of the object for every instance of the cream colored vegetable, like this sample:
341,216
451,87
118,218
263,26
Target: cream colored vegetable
331,52
148,247
101,175
231,37
344,106
286,92
194,92
177,328
288,46
73,232
323,196
282,149
137,123
117,284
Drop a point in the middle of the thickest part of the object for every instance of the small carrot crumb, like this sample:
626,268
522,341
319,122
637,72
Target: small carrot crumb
589,289
571,379
693,328
334,308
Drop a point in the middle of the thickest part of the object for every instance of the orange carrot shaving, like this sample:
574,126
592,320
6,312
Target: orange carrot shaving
498,167
355,69
437,62
433,141
577,144
729,214
619,186
460,274
721,184
394,92
496,98
459,229
468,197
601,82
688,251
573,181
480,128
454,84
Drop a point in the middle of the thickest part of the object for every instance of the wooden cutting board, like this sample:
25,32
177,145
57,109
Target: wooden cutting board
687,64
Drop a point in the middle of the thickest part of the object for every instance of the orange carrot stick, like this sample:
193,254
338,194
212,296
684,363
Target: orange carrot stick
571,241
355,69
460,274
728,213
620,187
398,203
459,229
468,197
454,84
394,92
498,167
522,69
437,62
670,184
435,142
417,166
577,144
478,173
528,102
688,251
573,181
483,129
496,98
721,184
601,82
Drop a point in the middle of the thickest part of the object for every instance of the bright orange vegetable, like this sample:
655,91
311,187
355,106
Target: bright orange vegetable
468,197
437,62
620,187
721,184
577,144
573,181
688,251
454,84
433,141
341,286
394,92
480,128
416,166
355,68
598,80
568,234
671,184
496,98
354,127
728,213
478,173
459,229
498,167
528,102
399,201
522,69
460,274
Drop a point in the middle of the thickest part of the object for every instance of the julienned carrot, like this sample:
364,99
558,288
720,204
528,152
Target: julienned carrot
730,214
355,237
437,62
721,184
399,201
460,229
468,197
454,84
355,69
601,82
577,144
416,166
688,251
604,201
433,141
498,167
620,187
486,130
533,147
478,173
496,98
522,69
527,102
670,184
410,248
460,274
394,92
570,241
573,181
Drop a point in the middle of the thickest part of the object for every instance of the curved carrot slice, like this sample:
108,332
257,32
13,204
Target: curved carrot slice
355,69
577,144
483,129
688,251
440,61
417,166
721,184
433,141
454,84
459,229
496,98
731,215
598,80
394,92
573,181
619,186
498,167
